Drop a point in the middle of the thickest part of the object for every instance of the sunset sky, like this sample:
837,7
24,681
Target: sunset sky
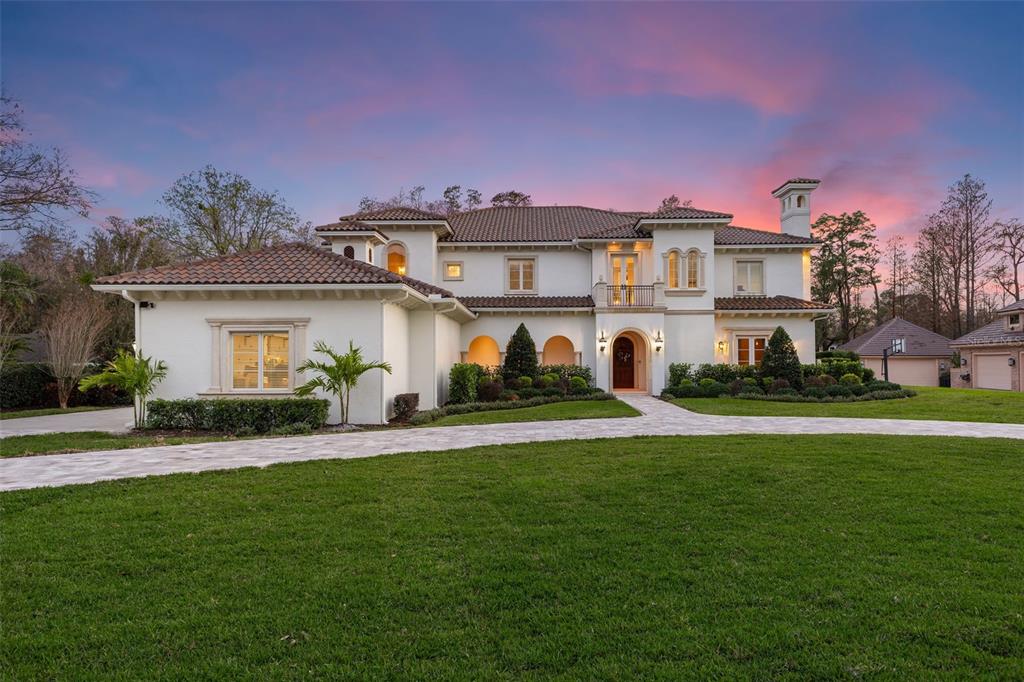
614,106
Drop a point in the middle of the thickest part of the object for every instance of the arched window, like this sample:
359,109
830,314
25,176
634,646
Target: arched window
692,270
350,252
395,257
674,268
483,350
559,350
800,202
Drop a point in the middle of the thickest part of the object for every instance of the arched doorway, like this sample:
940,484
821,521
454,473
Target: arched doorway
629,362
483,350
558,350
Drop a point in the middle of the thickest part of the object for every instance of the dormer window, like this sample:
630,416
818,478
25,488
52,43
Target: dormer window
395,258
1013,322
350,251
749,278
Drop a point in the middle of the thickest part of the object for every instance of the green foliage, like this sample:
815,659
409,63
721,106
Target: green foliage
678,372
462,382
526,382
132,373
850,380
578,385
428,416
339,376
780,359
723,373
520,355
406,405
30,385
234,415
489,390
841,354
843,264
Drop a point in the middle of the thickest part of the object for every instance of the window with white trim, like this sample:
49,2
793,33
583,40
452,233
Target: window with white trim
260,361
453,270
692,270
1014,322
750,349
749,278
685,271
521,277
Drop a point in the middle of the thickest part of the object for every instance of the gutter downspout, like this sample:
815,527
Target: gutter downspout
138,318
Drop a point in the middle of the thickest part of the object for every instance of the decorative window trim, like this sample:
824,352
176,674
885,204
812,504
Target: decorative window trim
462,271
735,277
637,268
220,357
748,334
682,270
1014,326
521,292
405,254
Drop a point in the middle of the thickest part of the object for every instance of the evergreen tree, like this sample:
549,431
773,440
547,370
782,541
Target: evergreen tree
780,360
520,355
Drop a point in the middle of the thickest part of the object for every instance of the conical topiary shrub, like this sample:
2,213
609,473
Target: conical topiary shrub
520,355
780,360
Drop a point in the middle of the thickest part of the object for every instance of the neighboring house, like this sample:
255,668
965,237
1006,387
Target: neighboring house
623,293
923,356
993,356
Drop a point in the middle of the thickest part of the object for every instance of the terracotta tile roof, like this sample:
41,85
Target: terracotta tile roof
346,226
282,264
767,303
492,302
533,223
796,181
685,213
994,333
398,213
734,235
919,341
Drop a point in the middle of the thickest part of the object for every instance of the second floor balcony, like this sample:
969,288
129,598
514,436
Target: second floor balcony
629,295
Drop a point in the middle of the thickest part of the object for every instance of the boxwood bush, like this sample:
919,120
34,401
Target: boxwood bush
427,416
234,415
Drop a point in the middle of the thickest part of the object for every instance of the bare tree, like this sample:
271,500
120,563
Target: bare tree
511,198
35,185
450,203
966,213
214,212
928,273
898,262
674,202
1008,272
71,332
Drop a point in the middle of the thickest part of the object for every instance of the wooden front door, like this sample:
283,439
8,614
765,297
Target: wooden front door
622,363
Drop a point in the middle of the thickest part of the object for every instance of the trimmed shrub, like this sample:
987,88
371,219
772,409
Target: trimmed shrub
705,382
843,354
869,374
489,390
780,359
238,416
462,382
715,389
296,429
815,392
679,372
508,396
751,390
785,391
520,355
838,391
527,393
882,386
837,367
849,380
428,416
568,372
406,405
512,383
543,382
552,391
526,382
777,385
687,391
578,386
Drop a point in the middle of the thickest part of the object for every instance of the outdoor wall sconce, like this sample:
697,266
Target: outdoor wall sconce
1011,361
721,347
658,342
602,343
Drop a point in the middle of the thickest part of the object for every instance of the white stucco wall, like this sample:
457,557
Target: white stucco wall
178,333
647,325
784,273
420,251
561,272
690,338
801,330
577,328
684,239
396,328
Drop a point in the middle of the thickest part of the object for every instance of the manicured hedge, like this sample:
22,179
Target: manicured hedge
235,415
30,385
872,395
428,416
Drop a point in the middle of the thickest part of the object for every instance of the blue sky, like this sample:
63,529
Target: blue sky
607,105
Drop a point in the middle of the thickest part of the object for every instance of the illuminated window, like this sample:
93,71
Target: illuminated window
673,270
350,252
521,279
749,277
692,270
750,349
453,270
396,259
259,361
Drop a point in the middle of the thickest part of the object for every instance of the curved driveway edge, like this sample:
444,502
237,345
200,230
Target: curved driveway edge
659,419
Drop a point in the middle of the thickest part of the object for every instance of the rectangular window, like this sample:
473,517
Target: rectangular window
1014,322
750,349
521,275
749,278
453,270
259,361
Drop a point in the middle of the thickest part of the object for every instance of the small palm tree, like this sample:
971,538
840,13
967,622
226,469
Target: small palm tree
340,375
133,373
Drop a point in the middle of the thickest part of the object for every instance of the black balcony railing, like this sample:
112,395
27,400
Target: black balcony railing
631,295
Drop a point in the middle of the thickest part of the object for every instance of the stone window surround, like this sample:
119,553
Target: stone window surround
220,356
536,277
735,276
682,290
462,271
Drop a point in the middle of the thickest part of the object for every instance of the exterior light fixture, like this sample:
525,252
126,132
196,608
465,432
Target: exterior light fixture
1011,361
658,342
602,343
721,347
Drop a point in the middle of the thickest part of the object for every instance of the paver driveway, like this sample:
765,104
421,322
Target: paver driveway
114,420
659,419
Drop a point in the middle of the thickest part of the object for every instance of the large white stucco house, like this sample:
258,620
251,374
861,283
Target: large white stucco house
623,293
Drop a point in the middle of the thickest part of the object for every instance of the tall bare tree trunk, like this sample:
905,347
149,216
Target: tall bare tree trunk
71,332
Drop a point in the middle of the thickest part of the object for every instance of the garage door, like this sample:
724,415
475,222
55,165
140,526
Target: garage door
992,371
908,371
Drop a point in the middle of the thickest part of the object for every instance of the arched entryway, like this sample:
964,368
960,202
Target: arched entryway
483,350
558,350
629,362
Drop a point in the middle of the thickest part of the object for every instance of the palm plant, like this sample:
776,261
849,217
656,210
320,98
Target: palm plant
339,376
133,373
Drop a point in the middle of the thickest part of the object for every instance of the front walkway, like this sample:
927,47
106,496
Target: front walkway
659,419
114,420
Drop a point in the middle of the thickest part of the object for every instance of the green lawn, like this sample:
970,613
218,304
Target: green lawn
79,441
950,404
45,411
731,557
574,409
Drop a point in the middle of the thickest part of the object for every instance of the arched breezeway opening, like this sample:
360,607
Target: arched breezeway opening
483,350
630,362
558,350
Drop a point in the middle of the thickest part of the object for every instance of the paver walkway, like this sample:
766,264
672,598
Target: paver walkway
115,420
659,419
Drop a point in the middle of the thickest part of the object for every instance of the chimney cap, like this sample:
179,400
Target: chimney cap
795,183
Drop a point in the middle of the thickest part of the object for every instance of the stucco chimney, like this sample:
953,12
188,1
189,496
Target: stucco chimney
794,197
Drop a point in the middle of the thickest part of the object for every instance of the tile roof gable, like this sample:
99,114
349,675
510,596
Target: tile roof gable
401,213
919,341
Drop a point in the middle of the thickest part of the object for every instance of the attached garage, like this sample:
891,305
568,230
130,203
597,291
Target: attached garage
991,370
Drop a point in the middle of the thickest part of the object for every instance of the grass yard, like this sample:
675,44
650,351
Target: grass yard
46,411
575,409
80,441
731,557
947,404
